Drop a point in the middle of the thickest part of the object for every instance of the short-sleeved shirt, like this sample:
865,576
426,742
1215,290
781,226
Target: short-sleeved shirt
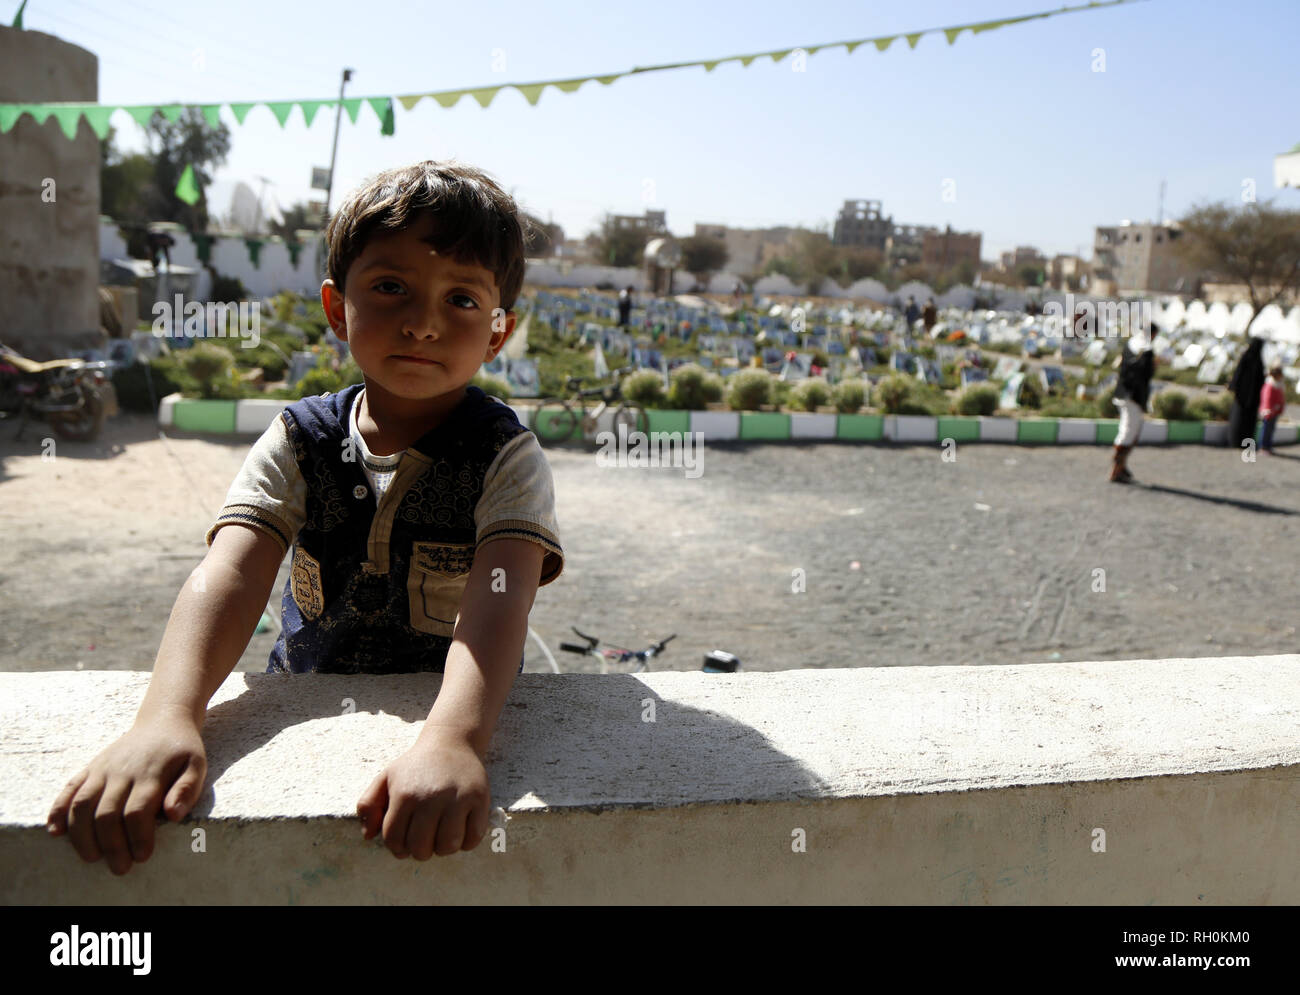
383,544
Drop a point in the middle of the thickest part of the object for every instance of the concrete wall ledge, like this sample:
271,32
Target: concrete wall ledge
955,785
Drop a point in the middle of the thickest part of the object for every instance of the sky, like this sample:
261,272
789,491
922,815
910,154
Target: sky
1016,133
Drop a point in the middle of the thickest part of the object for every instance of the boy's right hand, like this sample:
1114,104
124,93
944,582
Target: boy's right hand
110,808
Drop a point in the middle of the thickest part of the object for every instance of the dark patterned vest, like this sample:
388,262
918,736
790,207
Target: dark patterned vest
375,590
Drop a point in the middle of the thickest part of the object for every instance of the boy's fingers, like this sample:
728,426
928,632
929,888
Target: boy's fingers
58,818
422,832
476,827
371,806
396,823
139,815
110,831
185,792
451,829
81,818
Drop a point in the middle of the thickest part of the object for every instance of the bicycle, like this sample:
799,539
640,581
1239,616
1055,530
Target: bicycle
617,655
556,419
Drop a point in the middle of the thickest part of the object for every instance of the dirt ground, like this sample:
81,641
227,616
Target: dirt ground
903,559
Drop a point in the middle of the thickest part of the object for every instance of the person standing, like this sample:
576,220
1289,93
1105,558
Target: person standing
911,313
1272,402
1246,385
624,306
1137,365
930,316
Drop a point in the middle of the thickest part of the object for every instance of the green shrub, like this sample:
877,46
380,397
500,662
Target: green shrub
227,289
1031,394
210,366
809,395
913,408
821,358
781,392
1215,408
849,396
1106,404
691,389
1170,405
978,399
644,387
322,379
1065,407
749,390
492,386
893,392
132,384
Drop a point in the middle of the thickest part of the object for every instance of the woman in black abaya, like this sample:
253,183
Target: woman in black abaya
1246,384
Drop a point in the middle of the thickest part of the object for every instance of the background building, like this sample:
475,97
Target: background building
749,249
652,222
945,249
861,223
1131,258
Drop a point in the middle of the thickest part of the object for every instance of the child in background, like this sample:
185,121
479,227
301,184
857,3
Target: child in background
1272,402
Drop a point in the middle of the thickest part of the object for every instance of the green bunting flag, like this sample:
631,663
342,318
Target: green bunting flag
186,189
97,116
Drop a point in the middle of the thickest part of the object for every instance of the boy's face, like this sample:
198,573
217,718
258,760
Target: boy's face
406,303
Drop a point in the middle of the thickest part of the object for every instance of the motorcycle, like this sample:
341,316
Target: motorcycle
74,396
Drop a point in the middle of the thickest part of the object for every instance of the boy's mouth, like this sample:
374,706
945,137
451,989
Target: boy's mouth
417,359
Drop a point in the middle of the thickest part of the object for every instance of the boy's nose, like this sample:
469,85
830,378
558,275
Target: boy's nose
422,321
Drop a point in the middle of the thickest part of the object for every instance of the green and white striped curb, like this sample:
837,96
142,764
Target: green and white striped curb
253,417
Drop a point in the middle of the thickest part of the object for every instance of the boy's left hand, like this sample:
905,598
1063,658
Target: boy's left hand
434,798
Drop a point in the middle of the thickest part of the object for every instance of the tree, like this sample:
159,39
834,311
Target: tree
702,256
1031,275
615,245
190,141
1256,244
301,215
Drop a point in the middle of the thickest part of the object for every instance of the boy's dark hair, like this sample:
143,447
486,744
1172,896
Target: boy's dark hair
476,221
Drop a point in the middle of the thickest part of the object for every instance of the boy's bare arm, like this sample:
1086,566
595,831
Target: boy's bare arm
109,808
488,642
435,797
212,621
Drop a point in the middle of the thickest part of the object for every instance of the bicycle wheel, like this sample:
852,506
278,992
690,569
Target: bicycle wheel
633,417
555,421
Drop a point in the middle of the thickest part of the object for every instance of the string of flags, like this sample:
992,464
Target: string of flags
69,115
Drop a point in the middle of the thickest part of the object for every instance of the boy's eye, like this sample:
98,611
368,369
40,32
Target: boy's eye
464,297
387,283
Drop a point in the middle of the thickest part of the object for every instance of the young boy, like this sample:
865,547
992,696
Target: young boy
421,514
1272,402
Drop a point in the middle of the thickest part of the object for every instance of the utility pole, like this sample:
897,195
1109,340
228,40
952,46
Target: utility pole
329,183
329,187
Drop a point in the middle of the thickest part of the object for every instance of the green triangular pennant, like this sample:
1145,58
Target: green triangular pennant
241,111
68,117
186,188
485,95
448,98
813,50
9,113
353,106
849,46
913,38
568,85
40,112
211,114
778,56
952,33
606,80
531,91
309,109
172,112
295,250
987,26
389,124
281,109
97,118
884,43
142,115
410,100
745,60
18,21
254,250
710,66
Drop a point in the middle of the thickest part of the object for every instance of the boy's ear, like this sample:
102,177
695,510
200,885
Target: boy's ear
503,326
331,299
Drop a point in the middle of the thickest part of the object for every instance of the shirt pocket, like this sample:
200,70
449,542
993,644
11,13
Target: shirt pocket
435,582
